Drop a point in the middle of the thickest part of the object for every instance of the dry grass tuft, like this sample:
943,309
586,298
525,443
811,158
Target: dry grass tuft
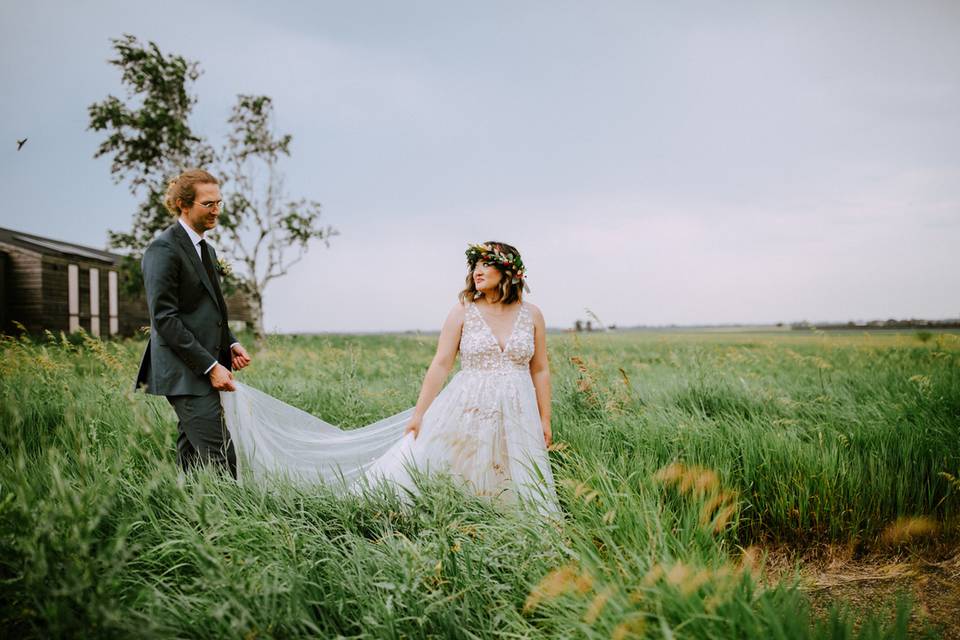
908,529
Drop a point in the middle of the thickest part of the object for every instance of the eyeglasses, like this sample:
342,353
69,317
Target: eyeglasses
210,205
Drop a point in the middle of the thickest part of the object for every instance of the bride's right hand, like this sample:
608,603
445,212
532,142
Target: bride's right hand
413,426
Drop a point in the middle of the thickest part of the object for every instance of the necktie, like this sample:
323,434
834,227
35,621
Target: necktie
208,267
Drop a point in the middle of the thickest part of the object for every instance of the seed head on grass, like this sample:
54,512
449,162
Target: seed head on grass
670,474
678,574
566,579
683,577
653,576
633,627
596,605
586,382
698,480
952,479
923,383
720,505
723,517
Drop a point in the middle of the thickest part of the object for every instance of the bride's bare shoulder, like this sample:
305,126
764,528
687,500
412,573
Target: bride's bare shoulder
457,312
534,311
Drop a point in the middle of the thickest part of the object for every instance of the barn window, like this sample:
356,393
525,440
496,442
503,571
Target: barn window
95,302
113,302
73,296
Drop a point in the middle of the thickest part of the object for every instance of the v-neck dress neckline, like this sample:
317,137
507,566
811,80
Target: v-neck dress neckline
513,328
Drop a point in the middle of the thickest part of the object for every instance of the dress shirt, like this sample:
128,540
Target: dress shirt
195,238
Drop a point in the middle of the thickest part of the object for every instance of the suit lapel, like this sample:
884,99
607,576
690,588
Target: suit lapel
212,256
191,251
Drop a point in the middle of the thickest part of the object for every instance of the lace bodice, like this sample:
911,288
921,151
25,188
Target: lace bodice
479,350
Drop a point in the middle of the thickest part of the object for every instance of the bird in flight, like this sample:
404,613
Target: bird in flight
20,143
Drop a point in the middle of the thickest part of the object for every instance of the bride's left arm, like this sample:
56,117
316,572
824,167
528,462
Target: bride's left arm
540,372
447,347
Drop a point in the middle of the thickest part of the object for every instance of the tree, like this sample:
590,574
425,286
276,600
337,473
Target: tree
259,224
150,140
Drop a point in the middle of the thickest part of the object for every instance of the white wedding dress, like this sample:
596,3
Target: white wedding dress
483,429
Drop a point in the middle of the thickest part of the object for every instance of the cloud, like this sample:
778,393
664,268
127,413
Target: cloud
634,260
655,163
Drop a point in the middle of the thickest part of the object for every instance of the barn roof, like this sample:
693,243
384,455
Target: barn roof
51,247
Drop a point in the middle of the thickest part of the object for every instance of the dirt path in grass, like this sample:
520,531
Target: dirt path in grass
871,584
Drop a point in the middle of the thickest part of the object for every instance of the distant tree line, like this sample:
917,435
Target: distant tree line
892,323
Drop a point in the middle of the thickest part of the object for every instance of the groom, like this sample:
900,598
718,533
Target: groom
191,350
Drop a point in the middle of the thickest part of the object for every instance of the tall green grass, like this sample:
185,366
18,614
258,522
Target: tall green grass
675,454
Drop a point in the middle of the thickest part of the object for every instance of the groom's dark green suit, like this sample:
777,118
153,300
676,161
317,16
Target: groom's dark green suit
188,336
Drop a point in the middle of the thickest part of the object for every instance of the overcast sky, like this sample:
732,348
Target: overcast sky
683,162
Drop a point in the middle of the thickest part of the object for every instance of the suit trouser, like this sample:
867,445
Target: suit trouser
203,436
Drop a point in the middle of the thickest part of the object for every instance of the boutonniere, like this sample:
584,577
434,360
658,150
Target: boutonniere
224,268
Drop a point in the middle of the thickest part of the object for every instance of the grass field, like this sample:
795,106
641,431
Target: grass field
680,458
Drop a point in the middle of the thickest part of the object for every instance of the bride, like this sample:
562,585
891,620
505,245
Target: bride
489,429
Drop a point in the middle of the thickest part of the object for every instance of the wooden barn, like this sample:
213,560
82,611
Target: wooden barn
48,284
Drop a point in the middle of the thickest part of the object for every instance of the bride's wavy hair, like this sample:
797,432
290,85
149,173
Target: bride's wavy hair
507,291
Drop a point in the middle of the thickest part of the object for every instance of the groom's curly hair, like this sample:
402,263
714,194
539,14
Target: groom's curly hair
507,291
184,188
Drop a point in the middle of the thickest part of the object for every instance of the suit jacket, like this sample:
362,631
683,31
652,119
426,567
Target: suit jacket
188,329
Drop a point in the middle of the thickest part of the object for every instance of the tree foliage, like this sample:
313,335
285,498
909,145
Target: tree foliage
150,141
149,136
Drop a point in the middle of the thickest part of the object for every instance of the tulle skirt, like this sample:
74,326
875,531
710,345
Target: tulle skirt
483,430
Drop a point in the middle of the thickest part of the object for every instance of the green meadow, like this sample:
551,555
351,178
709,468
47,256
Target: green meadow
680,459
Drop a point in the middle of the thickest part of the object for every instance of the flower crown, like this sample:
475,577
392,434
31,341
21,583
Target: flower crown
510,263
